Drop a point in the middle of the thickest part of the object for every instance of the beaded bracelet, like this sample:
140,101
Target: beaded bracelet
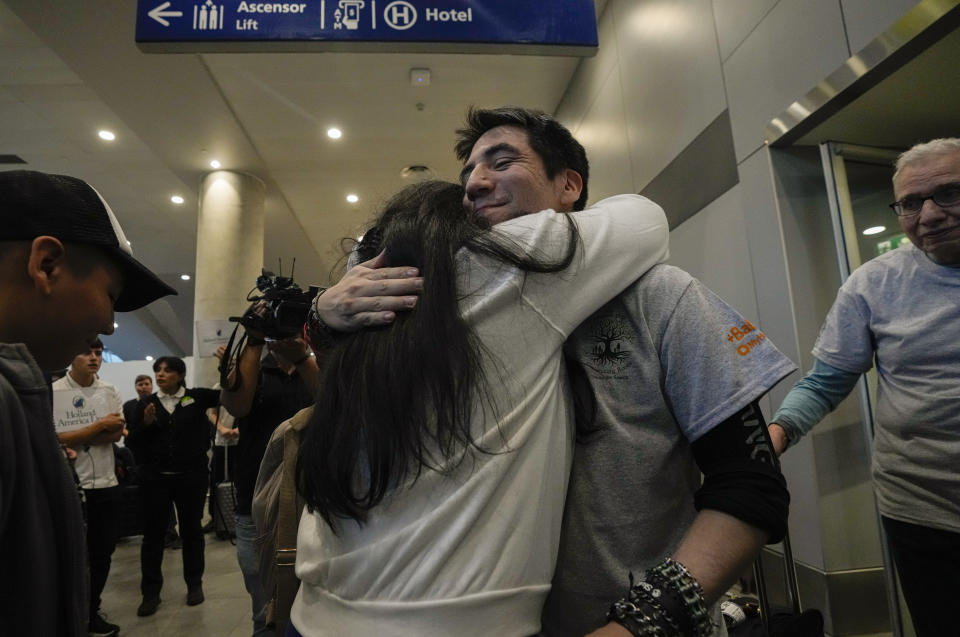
317,333
641,619
666,601
690,592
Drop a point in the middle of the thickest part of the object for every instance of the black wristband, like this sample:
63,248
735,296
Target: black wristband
741,475
316,331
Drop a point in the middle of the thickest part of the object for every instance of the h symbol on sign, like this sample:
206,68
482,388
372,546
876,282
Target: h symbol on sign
400,14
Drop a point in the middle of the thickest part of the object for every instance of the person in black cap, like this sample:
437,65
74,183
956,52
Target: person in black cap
65,267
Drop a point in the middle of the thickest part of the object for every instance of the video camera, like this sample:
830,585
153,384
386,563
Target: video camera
284,311
285,307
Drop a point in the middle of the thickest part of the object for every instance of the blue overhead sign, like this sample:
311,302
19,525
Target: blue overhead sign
545,27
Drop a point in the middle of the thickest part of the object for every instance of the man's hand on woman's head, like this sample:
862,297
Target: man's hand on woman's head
369,294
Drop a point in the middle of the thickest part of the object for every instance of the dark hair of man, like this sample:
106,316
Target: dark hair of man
97,344
142,377
548,138
399,398
174,364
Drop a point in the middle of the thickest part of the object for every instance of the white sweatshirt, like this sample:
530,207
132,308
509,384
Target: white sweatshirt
472,552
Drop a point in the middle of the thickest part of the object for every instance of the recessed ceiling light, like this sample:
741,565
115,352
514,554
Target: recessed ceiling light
106,135
416,173
177,199
185,277
115,325
874,230
352,198
214,163
148,357
334,133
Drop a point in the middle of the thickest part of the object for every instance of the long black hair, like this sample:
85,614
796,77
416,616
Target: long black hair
398,398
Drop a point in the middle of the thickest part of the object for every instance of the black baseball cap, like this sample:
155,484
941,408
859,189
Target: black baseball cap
34,204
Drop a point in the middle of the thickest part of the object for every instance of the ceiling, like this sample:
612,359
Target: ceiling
916,102
69,68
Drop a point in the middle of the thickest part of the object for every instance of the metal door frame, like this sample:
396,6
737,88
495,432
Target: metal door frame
832,156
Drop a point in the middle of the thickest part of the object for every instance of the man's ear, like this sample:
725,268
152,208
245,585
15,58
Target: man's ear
571,185
46,263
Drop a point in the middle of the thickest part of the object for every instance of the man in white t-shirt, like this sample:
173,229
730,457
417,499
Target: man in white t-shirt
93,399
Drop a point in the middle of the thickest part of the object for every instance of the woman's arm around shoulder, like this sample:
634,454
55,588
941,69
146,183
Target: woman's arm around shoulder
621,237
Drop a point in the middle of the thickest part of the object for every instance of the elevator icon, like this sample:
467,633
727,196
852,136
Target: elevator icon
348,14
207,16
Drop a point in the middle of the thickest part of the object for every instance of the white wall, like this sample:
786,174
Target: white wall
124,375
667,68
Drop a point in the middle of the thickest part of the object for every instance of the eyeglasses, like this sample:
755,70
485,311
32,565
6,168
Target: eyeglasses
945,196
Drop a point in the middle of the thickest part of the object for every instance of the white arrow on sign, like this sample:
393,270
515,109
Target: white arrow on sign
158,14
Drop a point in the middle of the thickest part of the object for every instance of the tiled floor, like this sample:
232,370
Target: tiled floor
225,613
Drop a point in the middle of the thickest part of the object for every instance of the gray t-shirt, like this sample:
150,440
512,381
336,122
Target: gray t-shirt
667,360
901,311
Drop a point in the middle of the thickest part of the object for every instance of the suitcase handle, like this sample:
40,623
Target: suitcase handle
793,587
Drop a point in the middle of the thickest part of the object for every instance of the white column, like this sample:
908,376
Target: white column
229,253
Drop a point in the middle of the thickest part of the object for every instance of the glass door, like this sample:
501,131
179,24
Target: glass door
859,185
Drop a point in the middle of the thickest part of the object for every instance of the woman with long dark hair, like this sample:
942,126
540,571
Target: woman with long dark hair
435,464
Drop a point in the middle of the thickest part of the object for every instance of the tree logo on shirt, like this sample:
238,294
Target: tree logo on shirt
608,340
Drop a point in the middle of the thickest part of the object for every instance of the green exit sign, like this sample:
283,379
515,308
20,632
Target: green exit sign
891,243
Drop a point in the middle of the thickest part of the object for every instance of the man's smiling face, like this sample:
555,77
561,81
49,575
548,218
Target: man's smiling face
505,178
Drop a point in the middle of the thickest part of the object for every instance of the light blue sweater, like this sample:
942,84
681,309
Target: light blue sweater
813,397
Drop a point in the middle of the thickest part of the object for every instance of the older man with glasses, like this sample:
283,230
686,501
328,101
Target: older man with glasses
901,312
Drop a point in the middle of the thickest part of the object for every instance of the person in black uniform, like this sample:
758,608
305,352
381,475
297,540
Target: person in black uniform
171,432
144,387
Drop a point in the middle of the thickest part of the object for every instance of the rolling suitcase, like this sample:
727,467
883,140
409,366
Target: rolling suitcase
131,508
770,621
131,511
225,505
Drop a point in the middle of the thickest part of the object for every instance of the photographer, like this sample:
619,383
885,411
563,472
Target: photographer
271,389
171,430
